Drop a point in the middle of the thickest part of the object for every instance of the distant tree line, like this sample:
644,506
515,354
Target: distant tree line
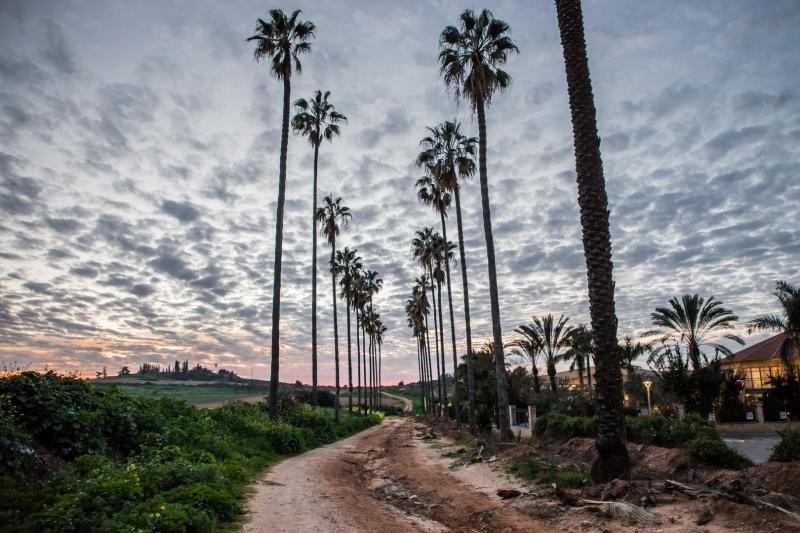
181,371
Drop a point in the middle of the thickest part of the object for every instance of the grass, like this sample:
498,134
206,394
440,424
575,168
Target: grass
542,468
193,394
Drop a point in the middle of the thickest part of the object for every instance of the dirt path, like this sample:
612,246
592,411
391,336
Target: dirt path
384,479
407,404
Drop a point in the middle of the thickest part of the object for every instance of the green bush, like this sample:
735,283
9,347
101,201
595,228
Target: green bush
557,425
702,441
788,449
712,450
140,463
544,469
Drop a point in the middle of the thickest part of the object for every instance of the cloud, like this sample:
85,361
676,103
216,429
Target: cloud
183,211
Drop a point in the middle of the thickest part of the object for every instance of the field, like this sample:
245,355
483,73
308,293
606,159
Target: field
195,394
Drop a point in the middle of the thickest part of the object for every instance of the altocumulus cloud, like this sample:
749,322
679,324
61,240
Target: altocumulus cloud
138,194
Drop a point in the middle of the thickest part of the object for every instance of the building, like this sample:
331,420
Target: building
759,362
570,378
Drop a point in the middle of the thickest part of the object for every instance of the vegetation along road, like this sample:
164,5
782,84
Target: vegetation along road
383,479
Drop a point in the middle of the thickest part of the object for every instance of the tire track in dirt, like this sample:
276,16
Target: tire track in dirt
384,479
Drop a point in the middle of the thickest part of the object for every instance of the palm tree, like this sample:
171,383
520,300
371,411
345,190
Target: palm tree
316,119
430,192
552,339
415,313
529,349
448,155
283,39
630,351
359,301
612,461
372,286
380,329
420,293
693,323
470,60
580,353
332,217
789,324
423,248
348,264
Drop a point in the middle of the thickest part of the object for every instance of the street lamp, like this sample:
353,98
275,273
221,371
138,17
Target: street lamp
647,384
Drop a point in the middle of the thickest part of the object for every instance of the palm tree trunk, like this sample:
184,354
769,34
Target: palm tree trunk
435,335
456,393
537,387
471,407
364,356
589,370
612,461
580,373
337,407
551,372
276,279
314,392
504,424
421,382
349,362
443,375
358,358
428,360
380,361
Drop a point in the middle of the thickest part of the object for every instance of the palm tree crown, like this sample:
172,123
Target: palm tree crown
283,39
471,56
332,217
552,339
789,323
448,154
317,118
693,323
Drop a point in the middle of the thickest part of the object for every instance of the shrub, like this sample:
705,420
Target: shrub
140,463
714,451
788,449
544,469
557,425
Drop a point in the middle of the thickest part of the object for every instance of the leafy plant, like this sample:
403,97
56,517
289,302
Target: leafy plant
788,449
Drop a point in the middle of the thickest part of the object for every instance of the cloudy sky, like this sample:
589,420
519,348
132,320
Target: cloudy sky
139,154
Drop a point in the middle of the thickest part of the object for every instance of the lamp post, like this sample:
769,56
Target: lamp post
647,384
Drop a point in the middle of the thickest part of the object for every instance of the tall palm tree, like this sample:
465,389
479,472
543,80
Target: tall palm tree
431,192
318,120
552,337
420,292
372,286
380,329
449,156
441,253
283,39
470,58
789,324
612,461
693,323
529,349
359,301
348,264
423,247
332,217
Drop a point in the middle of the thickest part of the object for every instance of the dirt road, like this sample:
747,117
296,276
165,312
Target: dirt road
384,479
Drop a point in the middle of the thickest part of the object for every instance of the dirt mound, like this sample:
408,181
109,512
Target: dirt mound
654,462
783,478
578,448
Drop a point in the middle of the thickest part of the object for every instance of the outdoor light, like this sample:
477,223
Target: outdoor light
647,384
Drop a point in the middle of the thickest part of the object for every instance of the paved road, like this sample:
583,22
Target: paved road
755,446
